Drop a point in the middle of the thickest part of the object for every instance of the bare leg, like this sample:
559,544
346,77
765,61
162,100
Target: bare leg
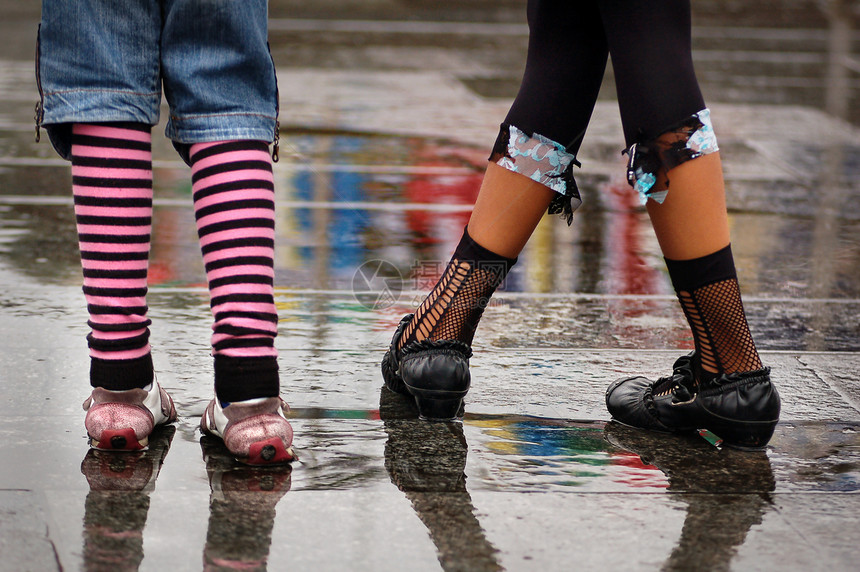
434,343
723,387
692,221
693,231
508,208
507,211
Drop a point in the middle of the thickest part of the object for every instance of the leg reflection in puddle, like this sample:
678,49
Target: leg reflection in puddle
241,509
426,460
118,502
727,492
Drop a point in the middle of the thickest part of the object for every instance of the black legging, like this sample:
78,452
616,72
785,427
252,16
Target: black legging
569,40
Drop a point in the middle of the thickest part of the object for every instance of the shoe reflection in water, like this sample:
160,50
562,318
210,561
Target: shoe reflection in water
241,509
426,460
118,502
727,493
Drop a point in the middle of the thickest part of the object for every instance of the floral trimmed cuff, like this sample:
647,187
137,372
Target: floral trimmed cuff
690,139
541,160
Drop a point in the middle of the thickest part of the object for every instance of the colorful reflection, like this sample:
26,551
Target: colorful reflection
536,453
347,199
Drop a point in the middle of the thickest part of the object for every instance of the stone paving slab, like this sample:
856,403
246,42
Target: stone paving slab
25,540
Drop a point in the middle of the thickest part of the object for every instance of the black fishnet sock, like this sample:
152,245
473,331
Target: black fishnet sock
708,290
454,307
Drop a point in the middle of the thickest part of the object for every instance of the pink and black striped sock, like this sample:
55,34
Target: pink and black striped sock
235,210
112,187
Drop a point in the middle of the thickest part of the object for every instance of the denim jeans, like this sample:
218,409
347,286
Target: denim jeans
107,60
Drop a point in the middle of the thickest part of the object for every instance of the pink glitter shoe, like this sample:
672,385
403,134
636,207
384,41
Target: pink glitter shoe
255,431
123,420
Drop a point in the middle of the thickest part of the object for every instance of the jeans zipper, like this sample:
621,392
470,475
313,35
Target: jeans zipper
276,141
40,107
275,144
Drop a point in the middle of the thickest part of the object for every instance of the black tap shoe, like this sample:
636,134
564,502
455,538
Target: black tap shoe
434,373
740,408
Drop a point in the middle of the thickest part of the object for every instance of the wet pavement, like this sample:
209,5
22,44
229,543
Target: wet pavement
389,108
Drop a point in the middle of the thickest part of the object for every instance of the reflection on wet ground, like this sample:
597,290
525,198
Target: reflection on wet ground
241,509
427,461
118,502
724,493
538,454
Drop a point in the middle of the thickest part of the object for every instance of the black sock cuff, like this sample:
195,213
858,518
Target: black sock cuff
243,378
688,275
122,374
473,252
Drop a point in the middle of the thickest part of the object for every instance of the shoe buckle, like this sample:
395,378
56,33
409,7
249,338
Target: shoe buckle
688,402
681,395
631,163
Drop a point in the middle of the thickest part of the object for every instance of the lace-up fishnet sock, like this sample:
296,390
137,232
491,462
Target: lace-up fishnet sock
708,290
454,307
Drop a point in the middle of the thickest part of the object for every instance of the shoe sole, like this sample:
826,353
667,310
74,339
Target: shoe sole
744,436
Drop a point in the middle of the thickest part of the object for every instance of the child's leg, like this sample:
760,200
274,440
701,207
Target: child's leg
235,211
223,112
112,186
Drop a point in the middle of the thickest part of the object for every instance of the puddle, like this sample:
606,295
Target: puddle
368,222
346,200
510,453
440,467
